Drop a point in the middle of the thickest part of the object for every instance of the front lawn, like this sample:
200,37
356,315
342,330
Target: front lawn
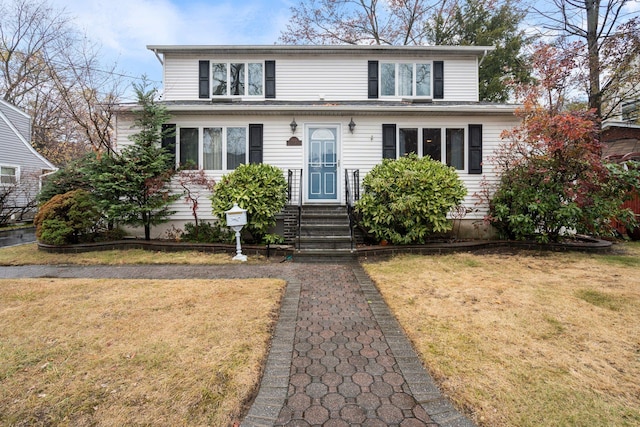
534,339
83,352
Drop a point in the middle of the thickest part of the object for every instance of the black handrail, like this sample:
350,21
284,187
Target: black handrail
351,196
294,182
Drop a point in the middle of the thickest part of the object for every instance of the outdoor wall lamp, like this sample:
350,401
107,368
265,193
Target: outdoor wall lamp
293,125
352,125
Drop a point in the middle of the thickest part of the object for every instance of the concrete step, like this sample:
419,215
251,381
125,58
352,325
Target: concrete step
325,256
325,242
325,229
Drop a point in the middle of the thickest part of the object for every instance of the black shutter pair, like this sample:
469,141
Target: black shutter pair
438,79
204,68
475,146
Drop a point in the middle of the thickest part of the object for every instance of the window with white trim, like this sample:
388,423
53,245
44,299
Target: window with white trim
429,142
237,78
405,79
212,148
9,174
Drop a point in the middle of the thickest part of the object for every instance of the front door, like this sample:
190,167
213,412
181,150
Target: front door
322,164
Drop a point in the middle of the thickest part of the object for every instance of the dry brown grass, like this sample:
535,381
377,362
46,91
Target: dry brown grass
525,340
82,352
29,254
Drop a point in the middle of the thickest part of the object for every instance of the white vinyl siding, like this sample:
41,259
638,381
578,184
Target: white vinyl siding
461,80
320,77
361,149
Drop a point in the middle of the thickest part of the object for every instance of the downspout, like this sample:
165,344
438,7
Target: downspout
155,51
484,55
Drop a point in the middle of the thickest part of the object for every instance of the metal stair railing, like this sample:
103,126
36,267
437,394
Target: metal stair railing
352,195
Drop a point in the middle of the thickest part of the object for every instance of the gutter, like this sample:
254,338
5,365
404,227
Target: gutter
337,110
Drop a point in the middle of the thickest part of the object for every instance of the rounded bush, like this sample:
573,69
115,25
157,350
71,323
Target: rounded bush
407,200
259,188
67,218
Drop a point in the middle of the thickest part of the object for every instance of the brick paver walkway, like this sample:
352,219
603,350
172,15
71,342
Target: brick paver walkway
338,358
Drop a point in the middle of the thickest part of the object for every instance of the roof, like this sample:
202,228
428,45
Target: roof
347,50
19,136
373,108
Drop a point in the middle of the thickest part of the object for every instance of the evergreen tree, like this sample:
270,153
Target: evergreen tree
138,179
487,23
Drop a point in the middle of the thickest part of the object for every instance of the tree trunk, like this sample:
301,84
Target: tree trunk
595,96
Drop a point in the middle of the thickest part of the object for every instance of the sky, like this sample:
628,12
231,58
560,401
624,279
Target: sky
123,28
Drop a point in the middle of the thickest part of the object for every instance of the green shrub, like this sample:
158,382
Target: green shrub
206,233
67,218
407,200
259,188
72,177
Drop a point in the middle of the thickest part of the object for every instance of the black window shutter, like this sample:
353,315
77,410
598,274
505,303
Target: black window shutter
373,79
270,79
475,149
203,79
438,79
388,141
168,142
255,143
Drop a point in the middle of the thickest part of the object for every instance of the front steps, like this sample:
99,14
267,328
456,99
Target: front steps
325,235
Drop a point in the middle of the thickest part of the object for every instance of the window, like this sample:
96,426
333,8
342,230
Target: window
237,79
212,148
428,142
432,143
408,141
8,174
236,147
221,148
455,148
405,79
388,79
189,158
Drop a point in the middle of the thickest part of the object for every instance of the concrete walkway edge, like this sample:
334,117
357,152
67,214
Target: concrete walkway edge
273,389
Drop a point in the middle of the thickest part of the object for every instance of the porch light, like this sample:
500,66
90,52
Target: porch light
352,125
293,125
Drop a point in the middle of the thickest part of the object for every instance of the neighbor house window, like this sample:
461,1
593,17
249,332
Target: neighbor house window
237,79
8,174
405,79
212,148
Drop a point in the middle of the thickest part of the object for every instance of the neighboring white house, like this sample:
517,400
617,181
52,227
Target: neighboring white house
326,111
21,166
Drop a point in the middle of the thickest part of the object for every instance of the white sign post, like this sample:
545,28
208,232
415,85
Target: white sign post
236,219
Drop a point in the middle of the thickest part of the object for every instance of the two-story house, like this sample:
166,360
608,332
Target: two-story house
324,111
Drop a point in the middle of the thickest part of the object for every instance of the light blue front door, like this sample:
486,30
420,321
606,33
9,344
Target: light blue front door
322,164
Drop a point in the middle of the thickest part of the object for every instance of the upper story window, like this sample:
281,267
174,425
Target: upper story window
405,79
8,174
237,79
